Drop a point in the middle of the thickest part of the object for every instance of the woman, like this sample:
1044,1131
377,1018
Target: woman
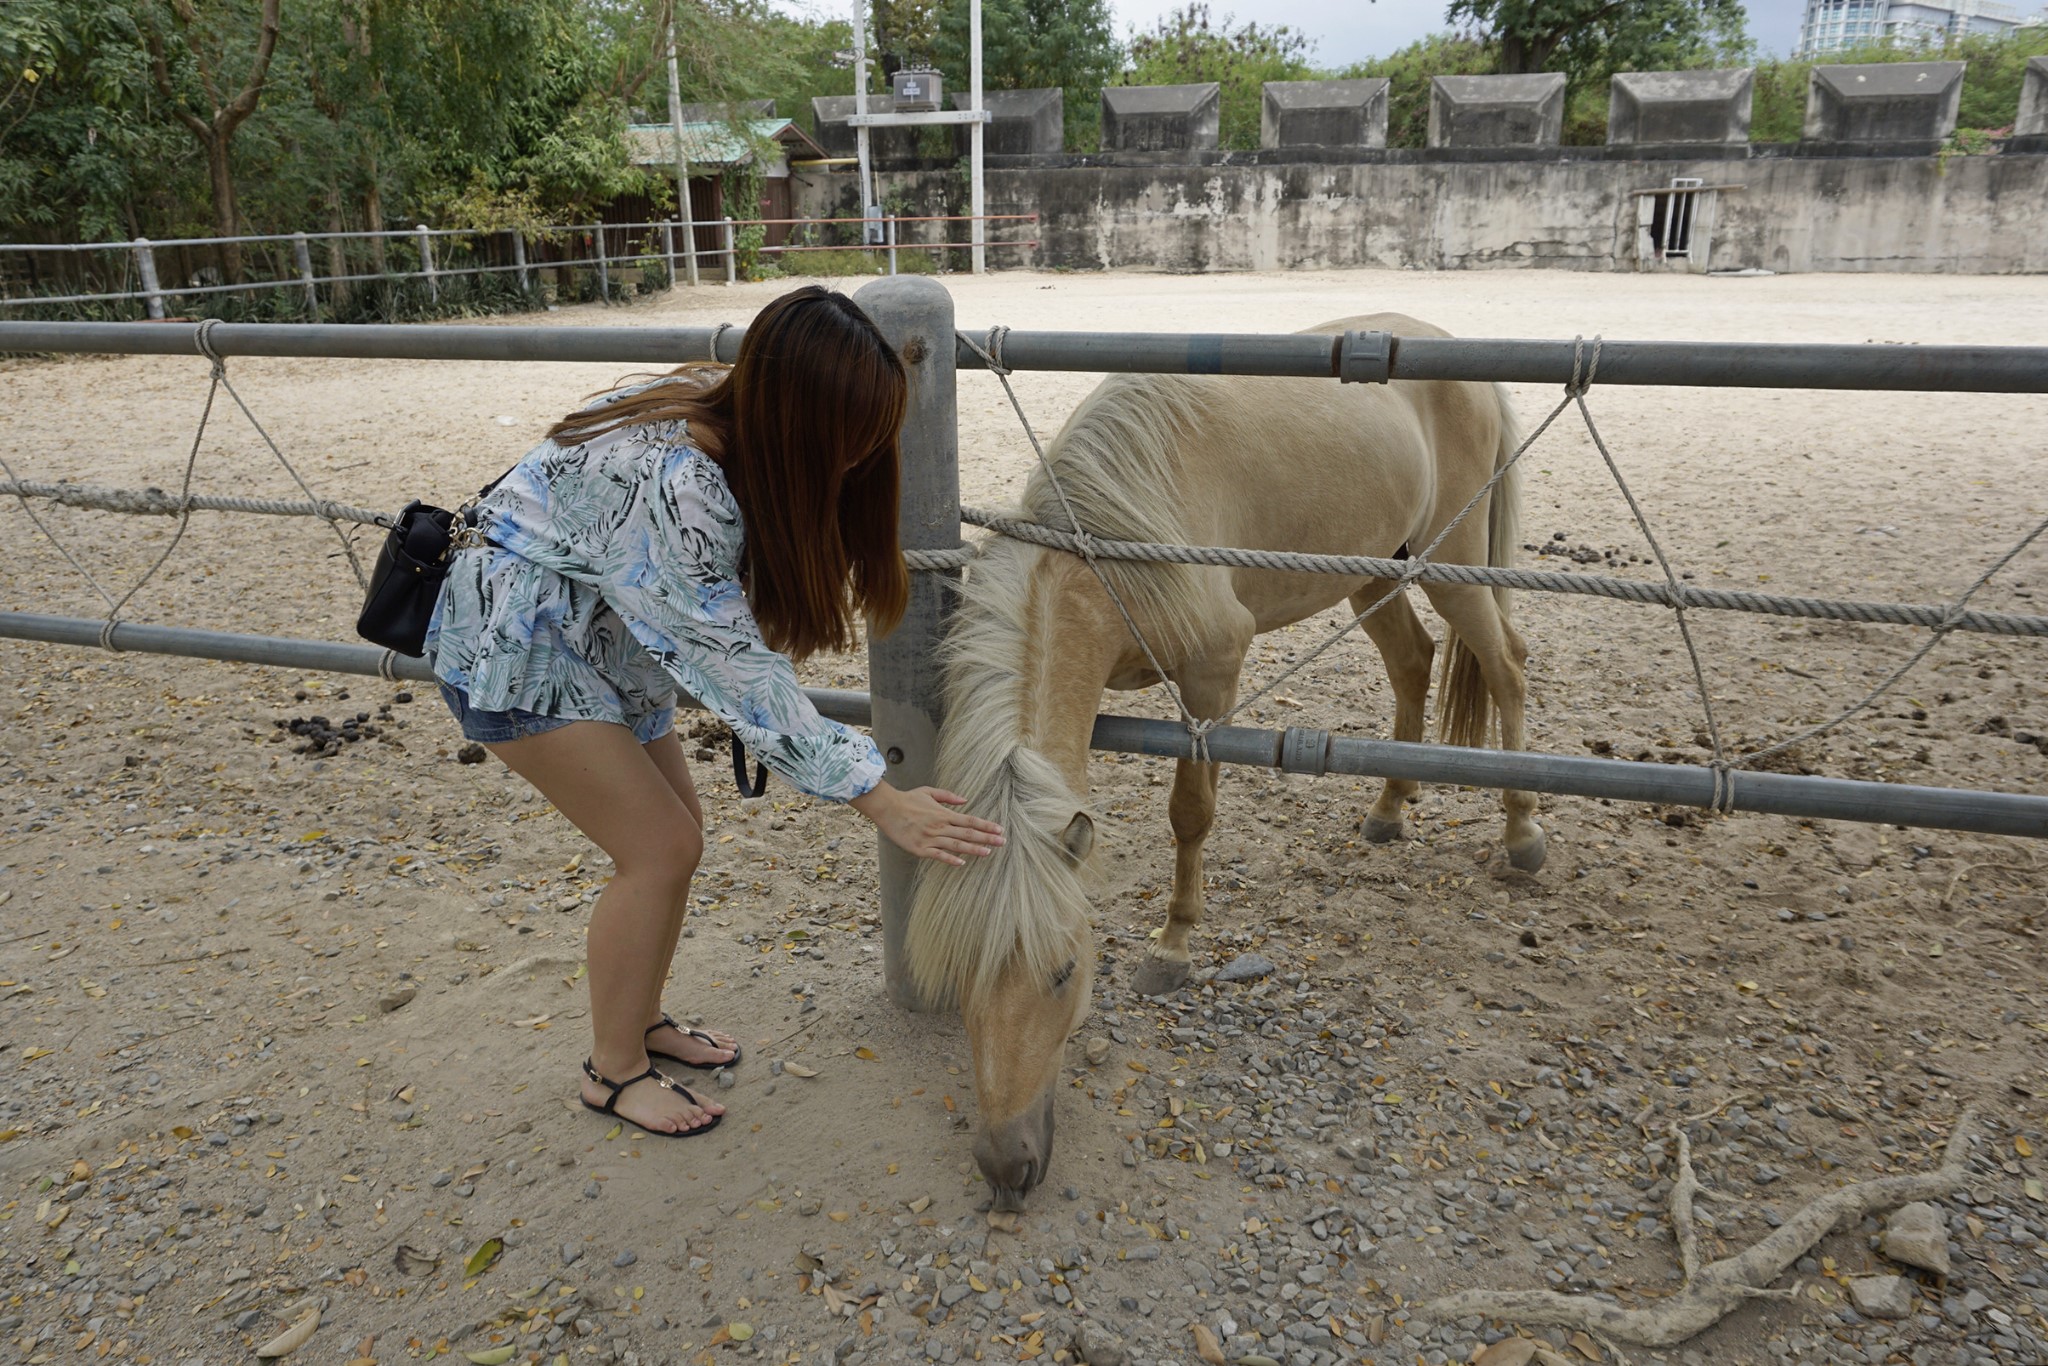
697,533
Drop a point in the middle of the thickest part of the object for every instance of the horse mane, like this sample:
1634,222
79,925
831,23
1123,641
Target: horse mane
1117,461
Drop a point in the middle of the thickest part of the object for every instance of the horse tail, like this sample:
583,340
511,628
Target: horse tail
1466,709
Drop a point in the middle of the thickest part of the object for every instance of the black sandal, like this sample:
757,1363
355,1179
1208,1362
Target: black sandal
653,1074
701,1037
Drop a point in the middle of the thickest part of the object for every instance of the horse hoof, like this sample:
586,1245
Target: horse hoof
1529,857
1160,977
1381,831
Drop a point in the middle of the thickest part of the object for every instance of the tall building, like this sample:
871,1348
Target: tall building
1832,25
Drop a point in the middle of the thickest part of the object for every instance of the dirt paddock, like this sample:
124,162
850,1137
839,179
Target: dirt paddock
279,1027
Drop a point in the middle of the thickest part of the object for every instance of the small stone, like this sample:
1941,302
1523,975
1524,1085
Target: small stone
1098,1050
625,1259
725,1079
571,1254
1882,1297
397,997
1246,967
592,1190
1916,1235
471,754
1094,1347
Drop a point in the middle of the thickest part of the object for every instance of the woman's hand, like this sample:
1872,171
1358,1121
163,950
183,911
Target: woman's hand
921,822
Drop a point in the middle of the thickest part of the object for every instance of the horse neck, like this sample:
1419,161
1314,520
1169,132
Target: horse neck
1071,640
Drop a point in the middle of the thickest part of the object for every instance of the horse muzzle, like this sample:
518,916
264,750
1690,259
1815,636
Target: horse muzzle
1014,1156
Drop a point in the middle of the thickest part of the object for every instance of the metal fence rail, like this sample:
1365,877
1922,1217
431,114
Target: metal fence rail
1365,357
1295,750
153,293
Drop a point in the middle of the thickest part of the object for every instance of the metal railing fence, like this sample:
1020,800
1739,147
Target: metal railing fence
904,703
525,252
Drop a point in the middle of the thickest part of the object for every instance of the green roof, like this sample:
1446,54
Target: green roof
706,144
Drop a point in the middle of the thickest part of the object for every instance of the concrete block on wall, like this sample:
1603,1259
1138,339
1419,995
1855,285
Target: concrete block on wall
1161,118
836,136
1324,113
1883,102
1022,123
2033,121
1496,111
1676,107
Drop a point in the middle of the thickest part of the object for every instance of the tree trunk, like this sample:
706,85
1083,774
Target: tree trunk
337,251
373,210
226,216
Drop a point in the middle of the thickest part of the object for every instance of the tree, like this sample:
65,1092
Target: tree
204,50
1036,44
1408,74
1187,46
1587,37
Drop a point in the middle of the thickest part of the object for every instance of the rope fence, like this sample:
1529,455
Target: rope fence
1355,357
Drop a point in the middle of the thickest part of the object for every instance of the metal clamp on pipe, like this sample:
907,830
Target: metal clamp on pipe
1303,750
1365,357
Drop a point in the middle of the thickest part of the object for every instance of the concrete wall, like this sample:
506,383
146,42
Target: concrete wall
1417,210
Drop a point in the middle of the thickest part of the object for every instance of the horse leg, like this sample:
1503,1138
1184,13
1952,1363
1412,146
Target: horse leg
1480,626
1209,688
1406,649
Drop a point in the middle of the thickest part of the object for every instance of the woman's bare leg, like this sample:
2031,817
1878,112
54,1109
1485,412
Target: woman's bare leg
598,776
667,754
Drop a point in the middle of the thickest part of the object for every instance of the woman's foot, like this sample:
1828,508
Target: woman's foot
650,1101
704,1049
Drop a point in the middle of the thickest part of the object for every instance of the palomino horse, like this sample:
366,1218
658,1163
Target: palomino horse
1296,464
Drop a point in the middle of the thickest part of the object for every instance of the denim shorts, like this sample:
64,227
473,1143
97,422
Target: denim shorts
499,727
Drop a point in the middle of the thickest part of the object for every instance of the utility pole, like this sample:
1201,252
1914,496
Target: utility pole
675,120
978,230
860,110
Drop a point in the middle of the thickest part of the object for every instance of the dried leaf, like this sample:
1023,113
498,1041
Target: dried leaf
414,1262
797,1069
1206,1345
864,1053
480,1260
1585,1347
492,1356
1508,1352
806,1262
292,1338
614,1132
35,1053
740,1332
2022,1147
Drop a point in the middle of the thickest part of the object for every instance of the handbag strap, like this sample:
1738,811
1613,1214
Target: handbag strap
739,771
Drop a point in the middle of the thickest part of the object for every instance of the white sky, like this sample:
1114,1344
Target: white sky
1351,30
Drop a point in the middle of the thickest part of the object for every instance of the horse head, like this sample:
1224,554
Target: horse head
1007,938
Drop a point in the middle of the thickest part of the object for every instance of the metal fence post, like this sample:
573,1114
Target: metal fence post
732,262
145,264
916,315
889,228
524,276
604,275
668,249
304,257
427,261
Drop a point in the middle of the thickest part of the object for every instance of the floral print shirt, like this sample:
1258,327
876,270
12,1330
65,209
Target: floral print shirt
612,582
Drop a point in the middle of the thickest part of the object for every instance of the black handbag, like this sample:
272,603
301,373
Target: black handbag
411,566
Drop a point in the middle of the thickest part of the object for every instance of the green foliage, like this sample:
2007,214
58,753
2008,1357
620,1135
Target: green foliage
1996,67
1035,44
1408,73
1187,46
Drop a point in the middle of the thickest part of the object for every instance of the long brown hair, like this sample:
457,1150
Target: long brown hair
805,427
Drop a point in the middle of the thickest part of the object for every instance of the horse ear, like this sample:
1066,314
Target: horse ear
1079,837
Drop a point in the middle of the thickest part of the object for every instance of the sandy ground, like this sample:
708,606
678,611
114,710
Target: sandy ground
275,1026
